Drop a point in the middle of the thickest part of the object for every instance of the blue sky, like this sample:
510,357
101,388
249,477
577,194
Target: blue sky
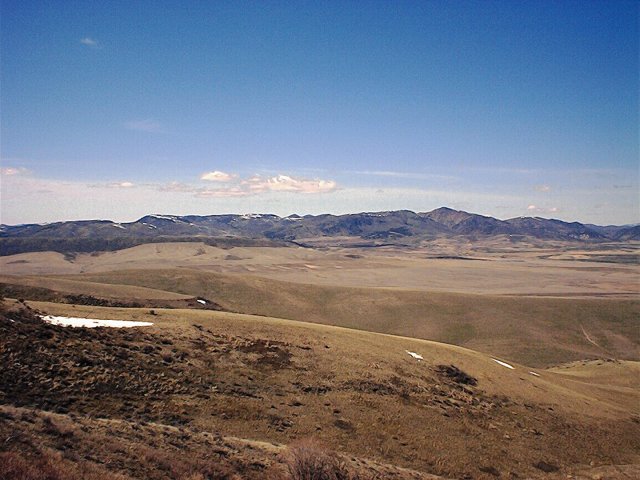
118,109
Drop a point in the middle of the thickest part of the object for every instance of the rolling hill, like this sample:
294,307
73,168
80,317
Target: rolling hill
537,331
239,388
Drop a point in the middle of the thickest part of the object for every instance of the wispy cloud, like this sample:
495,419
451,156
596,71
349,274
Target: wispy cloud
121,185
535,209
507,170
145,125
217,176
223,192
410,175
285,183
234,186
89,42
13,171
543,188
28,198
258,184
125,184
176,187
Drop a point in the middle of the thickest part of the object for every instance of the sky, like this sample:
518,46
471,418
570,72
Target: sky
118,109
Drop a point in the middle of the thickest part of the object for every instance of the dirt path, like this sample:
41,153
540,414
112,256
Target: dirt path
589,339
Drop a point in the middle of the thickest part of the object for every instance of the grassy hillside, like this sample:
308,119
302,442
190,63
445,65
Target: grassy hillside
102,290
455,412
534,331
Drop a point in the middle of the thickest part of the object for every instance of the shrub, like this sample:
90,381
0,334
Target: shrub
308,460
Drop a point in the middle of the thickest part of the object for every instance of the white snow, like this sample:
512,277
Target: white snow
534,374
163,217
503,364
149,225
91,322
203,302
117,225
415,355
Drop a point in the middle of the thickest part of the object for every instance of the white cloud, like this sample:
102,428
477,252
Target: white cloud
125,184
89,42
285,183
535,209
543,188
28,198
257,184
121,185
145,125
12,171
217,176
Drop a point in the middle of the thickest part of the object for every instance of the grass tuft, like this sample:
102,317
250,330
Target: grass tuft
307,459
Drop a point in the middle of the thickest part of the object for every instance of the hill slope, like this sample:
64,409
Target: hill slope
453,412
534,331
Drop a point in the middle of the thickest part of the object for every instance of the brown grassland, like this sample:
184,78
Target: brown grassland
299,361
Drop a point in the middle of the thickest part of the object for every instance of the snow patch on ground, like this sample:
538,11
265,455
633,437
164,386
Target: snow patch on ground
248,216
504,364
164,217
415,355
203,302
117,225
91,322
534,374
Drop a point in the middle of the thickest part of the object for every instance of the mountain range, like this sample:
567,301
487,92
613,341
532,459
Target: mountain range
370,229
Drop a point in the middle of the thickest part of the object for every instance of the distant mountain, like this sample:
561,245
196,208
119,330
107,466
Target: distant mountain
395,227
624,232
469,223
550,229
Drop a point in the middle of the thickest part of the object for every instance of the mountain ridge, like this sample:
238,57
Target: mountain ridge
395,227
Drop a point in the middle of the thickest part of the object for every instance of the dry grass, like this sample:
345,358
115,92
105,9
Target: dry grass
103,290
497,269
535,331
206,382
307,459
361,393
49,465
426,297
120,450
